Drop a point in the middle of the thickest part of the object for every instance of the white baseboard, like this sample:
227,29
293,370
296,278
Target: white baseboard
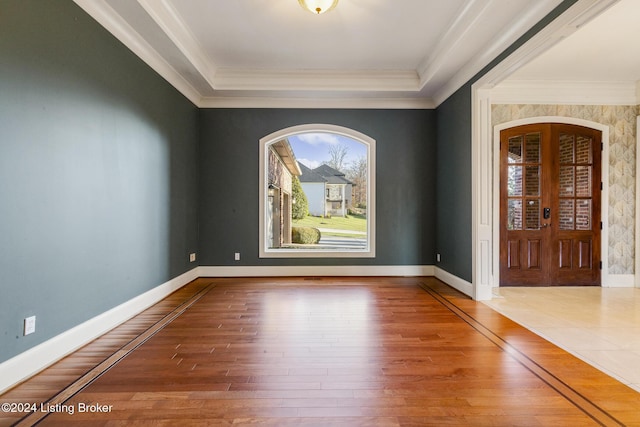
320,270
37,358
454,281
620,281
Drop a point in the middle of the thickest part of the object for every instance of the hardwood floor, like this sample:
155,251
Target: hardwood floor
329,351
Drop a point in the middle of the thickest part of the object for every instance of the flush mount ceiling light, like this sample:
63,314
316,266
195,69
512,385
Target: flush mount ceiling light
318,6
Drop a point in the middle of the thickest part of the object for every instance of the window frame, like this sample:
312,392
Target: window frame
370,144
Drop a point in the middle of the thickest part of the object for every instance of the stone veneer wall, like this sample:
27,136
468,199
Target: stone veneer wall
621,120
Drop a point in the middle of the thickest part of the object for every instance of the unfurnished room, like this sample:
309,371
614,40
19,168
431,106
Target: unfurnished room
319,212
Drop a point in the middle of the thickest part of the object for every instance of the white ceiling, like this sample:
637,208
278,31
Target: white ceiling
373,53
599,63
606,49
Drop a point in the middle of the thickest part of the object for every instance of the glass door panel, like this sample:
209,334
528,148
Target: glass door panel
524,182
575,186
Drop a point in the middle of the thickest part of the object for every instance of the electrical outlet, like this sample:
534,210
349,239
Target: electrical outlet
237,256
192,257
29,325
437,257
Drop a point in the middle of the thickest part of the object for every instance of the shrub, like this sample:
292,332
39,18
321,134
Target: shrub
305,235
300,207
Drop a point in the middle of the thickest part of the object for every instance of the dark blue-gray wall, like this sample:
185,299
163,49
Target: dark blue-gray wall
98,178
405,182
453,214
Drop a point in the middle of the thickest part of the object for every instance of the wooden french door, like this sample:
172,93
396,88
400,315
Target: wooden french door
550,205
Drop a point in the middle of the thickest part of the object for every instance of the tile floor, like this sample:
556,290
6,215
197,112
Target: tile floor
599,325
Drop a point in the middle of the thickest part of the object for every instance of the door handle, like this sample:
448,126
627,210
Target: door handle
546,213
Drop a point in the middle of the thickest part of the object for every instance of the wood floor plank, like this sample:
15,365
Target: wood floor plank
338,351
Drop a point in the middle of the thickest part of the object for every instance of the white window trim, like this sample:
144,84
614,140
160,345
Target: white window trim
370,143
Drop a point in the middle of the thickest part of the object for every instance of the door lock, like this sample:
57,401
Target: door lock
546,213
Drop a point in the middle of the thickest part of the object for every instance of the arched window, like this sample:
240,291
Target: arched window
331,170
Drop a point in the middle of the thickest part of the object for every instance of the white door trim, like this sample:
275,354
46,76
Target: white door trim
637,254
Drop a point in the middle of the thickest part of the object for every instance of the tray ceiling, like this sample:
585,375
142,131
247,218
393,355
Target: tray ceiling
404,53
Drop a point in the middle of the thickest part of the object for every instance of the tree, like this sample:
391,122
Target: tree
300,207
357,173
337,154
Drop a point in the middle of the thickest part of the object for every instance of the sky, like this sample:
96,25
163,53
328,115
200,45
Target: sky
312,149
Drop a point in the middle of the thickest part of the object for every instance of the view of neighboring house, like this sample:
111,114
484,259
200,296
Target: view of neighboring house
328,191
282,167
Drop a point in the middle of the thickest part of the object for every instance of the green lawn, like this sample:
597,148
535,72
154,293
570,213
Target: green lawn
349,223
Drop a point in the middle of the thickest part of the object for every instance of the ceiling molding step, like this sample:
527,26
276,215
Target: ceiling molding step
498,45
120,29
514,31
168,19
316,80
565,93
320,103
564,25
465,20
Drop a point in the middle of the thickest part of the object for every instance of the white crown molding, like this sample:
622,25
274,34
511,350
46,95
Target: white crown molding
464,22
168,19
563,26
352,89
317,80
507,37
257,80
308,102
119,28
565,93
399,89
